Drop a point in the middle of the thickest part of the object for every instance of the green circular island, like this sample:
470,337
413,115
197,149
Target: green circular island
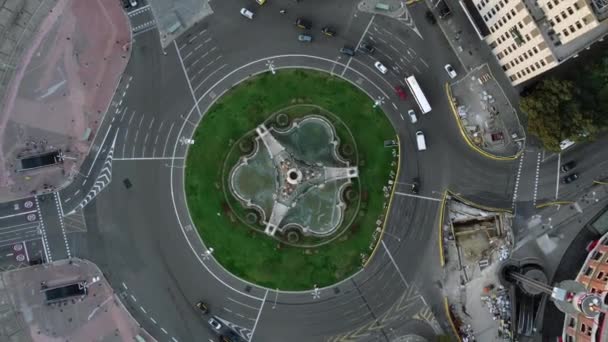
288,179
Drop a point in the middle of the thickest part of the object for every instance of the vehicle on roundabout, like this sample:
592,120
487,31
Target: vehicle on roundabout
420,141
400,92
367,48
347,50
303,23
306,38
381,67
215,324
412,114
328,31
570,178
246,13
202,306
450,70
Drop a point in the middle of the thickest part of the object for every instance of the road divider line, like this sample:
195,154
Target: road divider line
257,319
418,196
559,161
359,43
187,79
19,214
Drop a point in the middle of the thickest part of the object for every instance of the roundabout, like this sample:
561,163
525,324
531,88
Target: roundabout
301,190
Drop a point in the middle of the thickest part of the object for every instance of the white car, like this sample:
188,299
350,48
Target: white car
450,71
412,116
214,324
246,13
381,67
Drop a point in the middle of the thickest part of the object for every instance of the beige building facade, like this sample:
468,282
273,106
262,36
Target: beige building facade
524,34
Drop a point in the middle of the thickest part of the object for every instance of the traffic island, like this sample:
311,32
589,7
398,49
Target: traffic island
290,180
475,241
487,120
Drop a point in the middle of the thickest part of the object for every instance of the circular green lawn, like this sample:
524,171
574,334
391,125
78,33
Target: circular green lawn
254,256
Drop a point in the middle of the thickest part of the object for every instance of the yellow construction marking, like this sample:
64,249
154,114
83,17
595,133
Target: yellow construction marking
447,312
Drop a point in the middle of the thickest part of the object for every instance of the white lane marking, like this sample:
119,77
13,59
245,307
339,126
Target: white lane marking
125,286
537,176
258,317
240,303
559,161
423,62
187,79
517,178
394,263
167,140
359,43
206,78
124,144
23,213
99,149
143,310
136,135
153,320
174,339
163,330
133,298
418,196
395,106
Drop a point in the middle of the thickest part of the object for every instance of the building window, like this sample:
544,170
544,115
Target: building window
550,5
570,11
521,26
556,2
542,62
535,49
558,19
537,65
563,14
572,29
577,6
525,55
512,12
485,18
597,255
479,7
508,16
551,23
528,37
565,32
579,25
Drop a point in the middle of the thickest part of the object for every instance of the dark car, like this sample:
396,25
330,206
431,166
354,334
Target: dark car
127,183
202,306
347,50
303,24
328,31
570,178
415,185
430,17
568,166
367,48
400,92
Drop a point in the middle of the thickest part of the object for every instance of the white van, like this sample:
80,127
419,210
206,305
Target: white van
420,141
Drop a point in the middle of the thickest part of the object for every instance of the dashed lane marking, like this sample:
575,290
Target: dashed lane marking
538,159
517,179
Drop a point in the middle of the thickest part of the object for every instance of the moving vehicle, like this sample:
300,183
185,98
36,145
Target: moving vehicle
412,116
328,31
202,306
306,38
400,92
421,100
367,48
347,50
568,166
246,13
415,185
215,324
570,178
450,70
381,67
564,144
420,141
303,24
260,2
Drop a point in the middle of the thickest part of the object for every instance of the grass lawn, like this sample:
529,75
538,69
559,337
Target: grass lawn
254,256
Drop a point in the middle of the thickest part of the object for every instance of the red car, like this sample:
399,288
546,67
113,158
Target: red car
400,92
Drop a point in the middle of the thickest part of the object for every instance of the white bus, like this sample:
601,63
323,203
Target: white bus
424,105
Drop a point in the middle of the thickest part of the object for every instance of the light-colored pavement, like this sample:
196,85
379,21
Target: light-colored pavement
173,17
27,316
60,90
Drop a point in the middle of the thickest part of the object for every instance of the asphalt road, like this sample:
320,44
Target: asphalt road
142,238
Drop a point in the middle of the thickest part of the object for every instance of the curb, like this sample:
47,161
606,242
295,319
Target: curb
477,149
543,205
388,209
441,211
600,182
479,206
446,306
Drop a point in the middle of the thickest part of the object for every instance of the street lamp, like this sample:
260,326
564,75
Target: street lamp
378,102
270,65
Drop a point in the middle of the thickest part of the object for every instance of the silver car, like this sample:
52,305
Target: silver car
306,38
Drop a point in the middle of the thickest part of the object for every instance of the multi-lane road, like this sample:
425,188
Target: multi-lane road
125,210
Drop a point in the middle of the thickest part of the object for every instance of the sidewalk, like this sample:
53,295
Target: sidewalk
27,316
486,114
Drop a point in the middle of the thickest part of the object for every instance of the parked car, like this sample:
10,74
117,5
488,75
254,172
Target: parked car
450,70
568,166
367,48
306,38
328,31
381,67
215,324
570,178
400,92
303,24
246,13
347,50
412,114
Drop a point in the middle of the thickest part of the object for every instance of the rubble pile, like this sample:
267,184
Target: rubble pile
498,303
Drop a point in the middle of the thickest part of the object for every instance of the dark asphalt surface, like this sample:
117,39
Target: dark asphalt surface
138,238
